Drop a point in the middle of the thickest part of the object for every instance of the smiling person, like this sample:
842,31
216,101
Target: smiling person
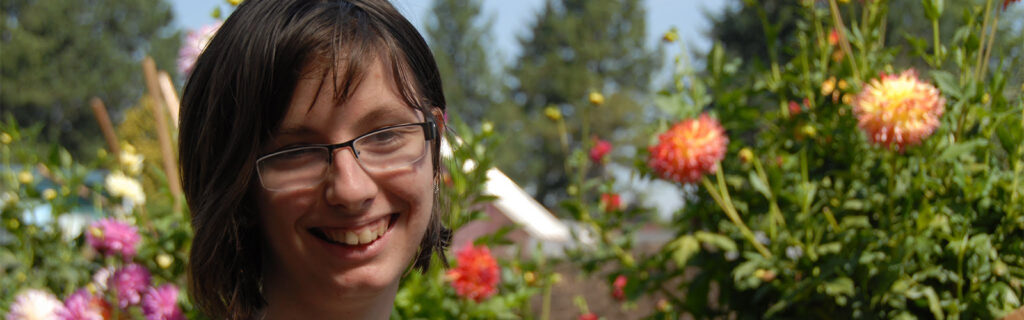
309,148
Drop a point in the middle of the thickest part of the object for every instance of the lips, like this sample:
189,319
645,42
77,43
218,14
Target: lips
361,235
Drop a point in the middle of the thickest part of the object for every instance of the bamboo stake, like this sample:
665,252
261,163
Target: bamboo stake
170,96
170,166
103,118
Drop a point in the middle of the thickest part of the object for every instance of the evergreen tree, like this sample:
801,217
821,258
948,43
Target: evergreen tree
459,36
57,54
576,47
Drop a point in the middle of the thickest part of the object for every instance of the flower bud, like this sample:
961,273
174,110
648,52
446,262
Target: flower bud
670,36
596,98
5,138
746,155
49,194
25,177
553,113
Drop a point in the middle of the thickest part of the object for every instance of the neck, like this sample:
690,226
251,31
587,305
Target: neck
287,299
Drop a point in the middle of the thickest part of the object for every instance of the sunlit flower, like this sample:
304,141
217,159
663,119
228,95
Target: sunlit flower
162,303
120,185
112,237
131,161
83,305
49,194
611,202
129,283
195,43
588,316
689,149
898,109
596,98
34,304
476,273
600,150
164,260
619,288
25,177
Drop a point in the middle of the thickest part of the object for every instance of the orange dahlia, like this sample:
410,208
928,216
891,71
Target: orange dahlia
689,149
898,109
476,273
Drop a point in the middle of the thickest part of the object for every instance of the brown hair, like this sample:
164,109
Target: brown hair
235,99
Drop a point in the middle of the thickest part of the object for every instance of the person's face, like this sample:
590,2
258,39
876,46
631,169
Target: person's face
305,230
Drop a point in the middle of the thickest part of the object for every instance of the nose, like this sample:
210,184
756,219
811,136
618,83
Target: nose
348,185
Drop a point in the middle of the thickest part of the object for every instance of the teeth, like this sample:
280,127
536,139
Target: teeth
362,236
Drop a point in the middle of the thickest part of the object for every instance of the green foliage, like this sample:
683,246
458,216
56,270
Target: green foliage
58,54
565,57
851,229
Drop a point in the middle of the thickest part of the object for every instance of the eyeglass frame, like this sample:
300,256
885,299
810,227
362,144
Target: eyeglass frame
429,133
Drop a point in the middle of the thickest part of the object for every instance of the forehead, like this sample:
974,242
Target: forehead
326,98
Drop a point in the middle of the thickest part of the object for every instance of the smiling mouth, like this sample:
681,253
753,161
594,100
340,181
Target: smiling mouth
354,237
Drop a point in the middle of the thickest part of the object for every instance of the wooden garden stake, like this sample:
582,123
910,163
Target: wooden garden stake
170,166
170,96
100,111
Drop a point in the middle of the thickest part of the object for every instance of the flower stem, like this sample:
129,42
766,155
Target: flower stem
936,43
730,212
991,40
844,41
984,32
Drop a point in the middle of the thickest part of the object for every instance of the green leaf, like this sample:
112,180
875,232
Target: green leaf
957,149
717,240
759,185
684,248
855,222
946,82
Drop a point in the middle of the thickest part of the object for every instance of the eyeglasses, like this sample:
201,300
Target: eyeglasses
382,150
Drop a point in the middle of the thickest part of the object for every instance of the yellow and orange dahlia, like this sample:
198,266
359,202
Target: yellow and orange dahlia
898,109
689,149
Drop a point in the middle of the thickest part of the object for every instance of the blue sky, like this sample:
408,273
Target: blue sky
512,18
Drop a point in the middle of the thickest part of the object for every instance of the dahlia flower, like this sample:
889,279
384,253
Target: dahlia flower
83,305
601,148
689,149
195,43
111,237
588,316
129,283
476,274
162,303
898,109
34,304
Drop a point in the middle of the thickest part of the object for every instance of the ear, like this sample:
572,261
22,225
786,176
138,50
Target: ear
440,118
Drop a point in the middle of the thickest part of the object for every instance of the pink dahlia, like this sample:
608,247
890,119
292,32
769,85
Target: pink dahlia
34,304
112,237
689,149
898,109
476,274
83,305
161,303
600,150
619,288
195,43
129,283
